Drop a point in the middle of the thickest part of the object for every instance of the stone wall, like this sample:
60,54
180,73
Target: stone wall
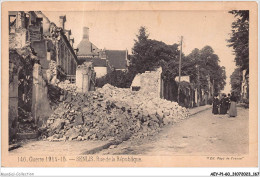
14,68
13,107
51,73
85,77
151,83
41,109
40,48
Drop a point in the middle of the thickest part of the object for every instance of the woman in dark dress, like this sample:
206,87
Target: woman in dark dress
233,105
224,102
227,103
222,105
215,105
228,98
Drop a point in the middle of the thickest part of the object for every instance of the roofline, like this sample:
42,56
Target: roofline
125,50
70,47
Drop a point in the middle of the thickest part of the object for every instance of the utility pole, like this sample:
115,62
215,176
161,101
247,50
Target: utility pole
180,71
213,88
198,85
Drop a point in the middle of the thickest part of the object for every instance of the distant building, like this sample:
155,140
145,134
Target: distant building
104,61
118,59
88,52
87,48
100,65
183,78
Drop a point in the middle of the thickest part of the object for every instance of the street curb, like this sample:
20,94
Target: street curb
23,136
105,146
200,111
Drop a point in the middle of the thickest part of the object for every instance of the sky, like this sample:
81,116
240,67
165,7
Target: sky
116,30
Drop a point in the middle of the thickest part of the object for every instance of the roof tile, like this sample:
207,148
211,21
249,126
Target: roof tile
117,58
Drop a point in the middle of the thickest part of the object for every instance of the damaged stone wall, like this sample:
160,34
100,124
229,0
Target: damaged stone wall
51,73
20,85
40,103
150,83
13,95
85,77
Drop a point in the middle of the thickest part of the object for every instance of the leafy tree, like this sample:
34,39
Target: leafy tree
149,54
236,81
116,78
139,50
240,38
204,64
219,79
189,65
213,69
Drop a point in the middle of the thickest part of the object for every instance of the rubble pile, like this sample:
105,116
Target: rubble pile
143,102
110,113
57,93
67,86
90,117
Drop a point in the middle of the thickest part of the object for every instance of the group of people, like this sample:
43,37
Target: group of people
225,104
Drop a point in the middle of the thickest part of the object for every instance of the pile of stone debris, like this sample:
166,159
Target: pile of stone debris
66,85
110,113
143,102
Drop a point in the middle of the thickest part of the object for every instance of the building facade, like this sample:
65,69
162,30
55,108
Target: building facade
104,61
40,53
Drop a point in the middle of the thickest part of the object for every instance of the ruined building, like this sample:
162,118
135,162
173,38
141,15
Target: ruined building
41,54
57,46
50,42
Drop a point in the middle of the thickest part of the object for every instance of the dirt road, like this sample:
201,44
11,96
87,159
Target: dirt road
201,134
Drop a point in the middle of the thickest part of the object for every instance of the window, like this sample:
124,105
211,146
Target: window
12,24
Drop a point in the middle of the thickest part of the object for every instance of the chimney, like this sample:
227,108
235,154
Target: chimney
76,51
71,42
67,33
62,21
86,33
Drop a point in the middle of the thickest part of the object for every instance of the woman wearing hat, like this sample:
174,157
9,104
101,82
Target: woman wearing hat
215,104
233,105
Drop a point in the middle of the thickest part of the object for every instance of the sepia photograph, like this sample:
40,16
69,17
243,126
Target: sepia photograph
100,87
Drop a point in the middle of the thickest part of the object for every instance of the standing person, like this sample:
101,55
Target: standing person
215,104
227,104
233,105
228,101
223,104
